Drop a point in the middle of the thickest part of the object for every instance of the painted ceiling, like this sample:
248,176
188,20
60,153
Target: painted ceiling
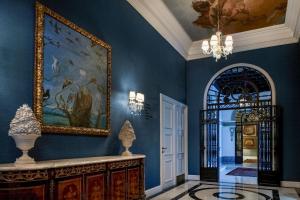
199,17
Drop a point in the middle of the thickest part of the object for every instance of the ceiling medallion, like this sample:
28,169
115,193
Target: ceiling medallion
216,47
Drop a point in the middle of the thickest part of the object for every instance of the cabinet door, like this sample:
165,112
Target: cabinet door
24,193
133,183
69,189
118,185
95,187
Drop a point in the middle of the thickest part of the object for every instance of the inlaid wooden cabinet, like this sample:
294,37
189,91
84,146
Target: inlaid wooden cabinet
111,179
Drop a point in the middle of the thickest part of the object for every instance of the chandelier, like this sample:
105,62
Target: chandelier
216,46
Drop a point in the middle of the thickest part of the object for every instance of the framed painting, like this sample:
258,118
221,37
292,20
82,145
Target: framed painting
72,77
249,143
249,130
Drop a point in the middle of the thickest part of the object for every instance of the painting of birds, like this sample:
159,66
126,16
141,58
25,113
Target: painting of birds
57,29
77,39
82,72
66,83
84,53
70,98
93,43
75,77
54,66
71,62
70,40
46,95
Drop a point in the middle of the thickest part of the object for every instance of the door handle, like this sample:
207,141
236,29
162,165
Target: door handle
163,149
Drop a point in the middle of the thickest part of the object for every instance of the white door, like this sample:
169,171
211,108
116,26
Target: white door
173,138
167,149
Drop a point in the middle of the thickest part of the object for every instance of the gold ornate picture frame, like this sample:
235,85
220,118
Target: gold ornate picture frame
250,143
72,77
249,130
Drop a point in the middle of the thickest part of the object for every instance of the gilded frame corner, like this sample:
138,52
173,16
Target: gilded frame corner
41,10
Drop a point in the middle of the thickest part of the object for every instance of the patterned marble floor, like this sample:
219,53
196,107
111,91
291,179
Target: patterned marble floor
210,191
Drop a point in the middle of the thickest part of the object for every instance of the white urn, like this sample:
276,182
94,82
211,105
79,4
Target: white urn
127,136
25,129
25,143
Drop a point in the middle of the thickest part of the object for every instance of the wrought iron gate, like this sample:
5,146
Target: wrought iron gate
209,145
267,120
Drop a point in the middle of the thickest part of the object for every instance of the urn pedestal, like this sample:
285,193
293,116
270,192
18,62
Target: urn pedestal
25,143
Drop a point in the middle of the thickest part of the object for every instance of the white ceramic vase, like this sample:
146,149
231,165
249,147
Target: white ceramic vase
25,142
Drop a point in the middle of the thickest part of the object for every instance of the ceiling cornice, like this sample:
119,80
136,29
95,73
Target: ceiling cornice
164,22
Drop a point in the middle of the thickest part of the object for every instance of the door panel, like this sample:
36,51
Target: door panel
179,140
167,148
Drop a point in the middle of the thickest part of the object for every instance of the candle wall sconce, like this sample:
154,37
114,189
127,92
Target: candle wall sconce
136,102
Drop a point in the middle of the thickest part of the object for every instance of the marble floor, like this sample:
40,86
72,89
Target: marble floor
223,177
211,191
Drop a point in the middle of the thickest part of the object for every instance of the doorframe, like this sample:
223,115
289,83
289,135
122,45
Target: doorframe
259,69
161,97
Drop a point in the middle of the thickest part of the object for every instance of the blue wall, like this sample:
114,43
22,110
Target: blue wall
141,60
283,64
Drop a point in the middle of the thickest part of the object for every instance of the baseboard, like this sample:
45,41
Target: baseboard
194,177
152,191
292,184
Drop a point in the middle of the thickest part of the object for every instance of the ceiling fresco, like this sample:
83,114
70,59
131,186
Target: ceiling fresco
199,17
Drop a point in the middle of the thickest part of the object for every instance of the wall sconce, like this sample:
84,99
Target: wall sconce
136,102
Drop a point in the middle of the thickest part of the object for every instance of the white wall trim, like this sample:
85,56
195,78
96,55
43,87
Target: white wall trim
264,72
194,177
153,191
164,22
291,184
161,18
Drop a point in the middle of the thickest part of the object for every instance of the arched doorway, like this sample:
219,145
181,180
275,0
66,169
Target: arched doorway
247,92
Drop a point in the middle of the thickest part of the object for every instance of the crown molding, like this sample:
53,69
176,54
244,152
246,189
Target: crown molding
164,22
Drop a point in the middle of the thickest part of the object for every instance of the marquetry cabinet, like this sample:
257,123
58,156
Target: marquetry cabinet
97,178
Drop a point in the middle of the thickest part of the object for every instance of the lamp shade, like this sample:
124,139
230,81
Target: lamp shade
131,95
213,40
205,45
140,97
228,40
